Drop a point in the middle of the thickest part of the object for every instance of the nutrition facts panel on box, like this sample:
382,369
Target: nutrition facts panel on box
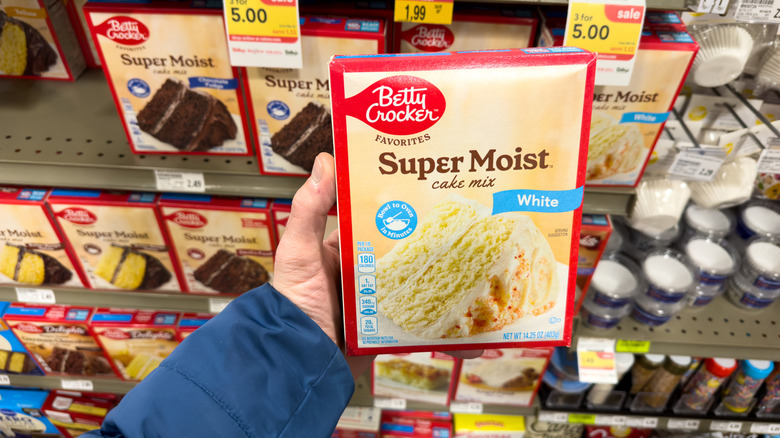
366,282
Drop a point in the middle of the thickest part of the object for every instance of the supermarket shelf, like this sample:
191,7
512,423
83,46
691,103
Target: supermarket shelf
95,384
679,5
717,330
50,136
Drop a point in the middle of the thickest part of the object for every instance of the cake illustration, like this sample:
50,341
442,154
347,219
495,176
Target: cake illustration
128,268
31,267
413,374
15,362
614,147
305,136
502,375
187,119
465,271
229,273
142,365
23,50
76,362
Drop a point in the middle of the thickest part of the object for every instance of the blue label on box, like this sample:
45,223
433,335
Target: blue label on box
543,201
214,83
641,117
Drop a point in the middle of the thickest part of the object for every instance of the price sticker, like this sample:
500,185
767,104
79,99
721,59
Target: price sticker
466,407
635,422
263,33
582,419
636,347
726,426
610,420
180,181
553,417
695,164
35,296
650,422
217,305
612,29
77,385
596,360
390,403
757,10
769,161
764,428
683,424
424,11
4,379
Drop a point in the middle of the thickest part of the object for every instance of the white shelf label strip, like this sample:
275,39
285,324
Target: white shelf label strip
4,379
77,385
765,428
466,407
390,403
217,305
674,423
180,181
726,426
35,296
554,417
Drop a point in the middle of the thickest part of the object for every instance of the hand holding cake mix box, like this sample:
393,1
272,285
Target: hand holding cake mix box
460,184
424,377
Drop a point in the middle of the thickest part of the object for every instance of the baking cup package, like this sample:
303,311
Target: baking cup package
723,52
460,213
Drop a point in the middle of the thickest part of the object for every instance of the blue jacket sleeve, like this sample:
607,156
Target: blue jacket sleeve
261,368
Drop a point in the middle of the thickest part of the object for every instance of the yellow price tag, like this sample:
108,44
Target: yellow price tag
636,347
610,30
263,33
424,11
582,419
597,360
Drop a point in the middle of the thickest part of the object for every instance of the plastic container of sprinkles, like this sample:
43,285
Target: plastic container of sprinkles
716,261
757,284
708,221
670,275
760,218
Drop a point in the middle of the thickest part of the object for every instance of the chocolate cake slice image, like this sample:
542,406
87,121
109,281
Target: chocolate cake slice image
305,136
189,120
23,50
127,268
31,267
229,273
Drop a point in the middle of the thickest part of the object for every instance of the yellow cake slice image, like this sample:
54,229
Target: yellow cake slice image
614,148
31,267
127,268
413,374
142,365
466,272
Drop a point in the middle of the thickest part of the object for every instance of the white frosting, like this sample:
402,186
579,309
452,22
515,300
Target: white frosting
762,219
707,218
709,256
612,278
765,255
667,272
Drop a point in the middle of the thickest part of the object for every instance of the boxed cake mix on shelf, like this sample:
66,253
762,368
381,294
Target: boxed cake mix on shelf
503,377
79,21
438,171
222,245
21,415
474,27
415,424
424,377
117,239
14,358
37,41
289,108
627,121
137,341
59,338
489,426
281,209
358,422
189,322
32,249
169,70
377,9
75,413
594,235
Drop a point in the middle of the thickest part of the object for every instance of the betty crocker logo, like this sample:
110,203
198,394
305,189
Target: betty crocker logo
77,215
429,37
187,219
398,105
124,30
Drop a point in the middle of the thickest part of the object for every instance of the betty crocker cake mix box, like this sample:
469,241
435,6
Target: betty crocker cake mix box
189,322
424,377
459,210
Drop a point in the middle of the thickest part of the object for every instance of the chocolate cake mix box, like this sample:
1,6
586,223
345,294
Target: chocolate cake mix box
222,245
59,339
189,322
437,172
174,94
474,27
415,424
281,209
289,108
502,377
79,21
137,341
74,414
21,416
38,41
14,358
32,249
117,239
627,121
424,377
594,234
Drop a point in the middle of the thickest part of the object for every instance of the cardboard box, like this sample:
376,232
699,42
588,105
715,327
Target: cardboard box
20,413
80,26
424,377
137,341
45,45
59,339
489,426
358,422
290,109
465,176
117,239
75,414
32,249
169,71
594,235
14,358
189,322
379,9
281,209
415,424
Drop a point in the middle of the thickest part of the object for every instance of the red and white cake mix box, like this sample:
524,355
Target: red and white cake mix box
117,239
381,9
290,108
415,424
169,70
75,414
81,27
502,377
424,377
32,249
189,322
438,171
474,27
594,235
358,422
222,244
281,209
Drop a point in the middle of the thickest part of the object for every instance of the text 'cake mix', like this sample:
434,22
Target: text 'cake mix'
460,181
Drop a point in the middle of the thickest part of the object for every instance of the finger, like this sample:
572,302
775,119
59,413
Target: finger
466,354
333,240
310,206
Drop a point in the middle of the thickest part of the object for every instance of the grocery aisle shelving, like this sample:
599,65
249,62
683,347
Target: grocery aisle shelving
96,384
652,4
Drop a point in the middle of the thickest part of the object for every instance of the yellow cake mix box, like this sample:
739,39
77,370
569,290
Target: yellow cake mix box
117,239
423,377
175,94
32,249
290,108
137,341
222,244
459,210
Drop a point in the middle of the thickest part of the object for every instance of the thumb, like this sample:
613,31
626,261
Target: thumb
311,204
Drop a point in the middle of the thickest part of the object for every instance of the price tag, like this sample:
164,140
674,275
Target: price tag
4,379
635,422
612,29
678,424
35,296
636,347
720,7
596,360
424,11
390,403
466,407
217,305
769,162
650,422
263,33
757,10
765,428
582,419
695,164
610,420
726,426
553,417
180,181
77,385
